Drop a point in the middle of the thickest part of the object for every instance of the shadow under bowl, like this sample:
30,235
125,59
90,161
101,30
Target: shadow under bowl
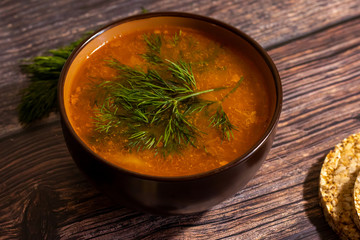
170,195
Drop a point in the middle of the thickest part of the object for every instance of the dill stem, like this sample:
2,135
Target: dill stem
232,90
179,99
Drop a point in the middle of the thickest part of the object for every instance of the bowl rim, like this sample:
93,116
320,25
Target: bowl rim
270,129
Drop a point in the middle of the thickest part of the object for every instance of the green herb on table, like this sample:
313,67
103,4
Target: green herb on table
38,100
144,10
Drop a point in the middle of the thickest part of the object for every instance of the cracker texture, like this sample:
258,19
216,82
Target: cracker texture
356,212
337,178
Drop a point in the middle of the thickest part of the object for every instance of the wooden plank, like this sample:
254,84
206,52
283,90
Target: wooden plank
321,75
29,28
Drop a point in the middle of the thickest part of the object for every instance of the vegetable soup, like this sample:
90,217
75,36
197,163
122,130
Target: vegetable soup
169,101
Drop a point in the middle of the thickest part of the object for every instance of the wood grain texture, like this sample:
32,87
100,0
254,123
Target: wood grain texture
316,47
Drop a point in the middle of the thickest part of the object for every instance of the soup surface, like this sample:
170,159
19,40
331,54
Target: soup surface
227,121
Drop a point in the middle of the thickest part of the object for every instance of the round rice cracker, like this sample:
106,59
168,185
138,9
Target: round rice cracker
337,178
356,210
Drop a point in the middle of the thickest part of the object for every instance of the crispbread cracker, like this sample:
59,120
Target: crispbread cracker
337,179
356,212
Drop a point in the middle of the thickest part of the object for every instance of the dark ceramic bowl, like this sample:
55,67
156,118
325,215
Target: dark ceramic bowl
170,195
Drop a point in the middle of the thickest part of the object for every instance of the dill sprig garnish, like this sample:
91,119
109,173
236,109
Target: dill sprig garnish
153,42
150,111
152,58
156,107
220,119
182,71
176,38
38,100
233,89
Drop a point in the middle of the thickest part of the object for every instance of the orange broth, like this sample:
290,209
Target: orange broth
215,64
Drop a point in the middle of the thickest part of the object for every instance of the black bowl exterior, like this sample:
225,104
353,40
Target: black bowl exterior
166,196
171,195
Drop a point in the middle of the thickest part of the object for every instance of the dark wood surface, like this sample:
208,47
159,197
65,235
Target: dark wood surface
316,47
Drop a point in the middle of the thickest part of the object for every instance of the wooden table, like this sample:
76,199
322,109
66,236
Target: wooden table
316,47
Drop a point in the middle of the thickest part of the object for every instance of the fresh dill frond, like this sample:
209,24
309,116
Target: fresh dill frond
214,50
192,43
198,106
155,106
221,121
182,71
153,112
152,58
38,100
176,38
125,72
153,42
144,10
233,89
105,120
